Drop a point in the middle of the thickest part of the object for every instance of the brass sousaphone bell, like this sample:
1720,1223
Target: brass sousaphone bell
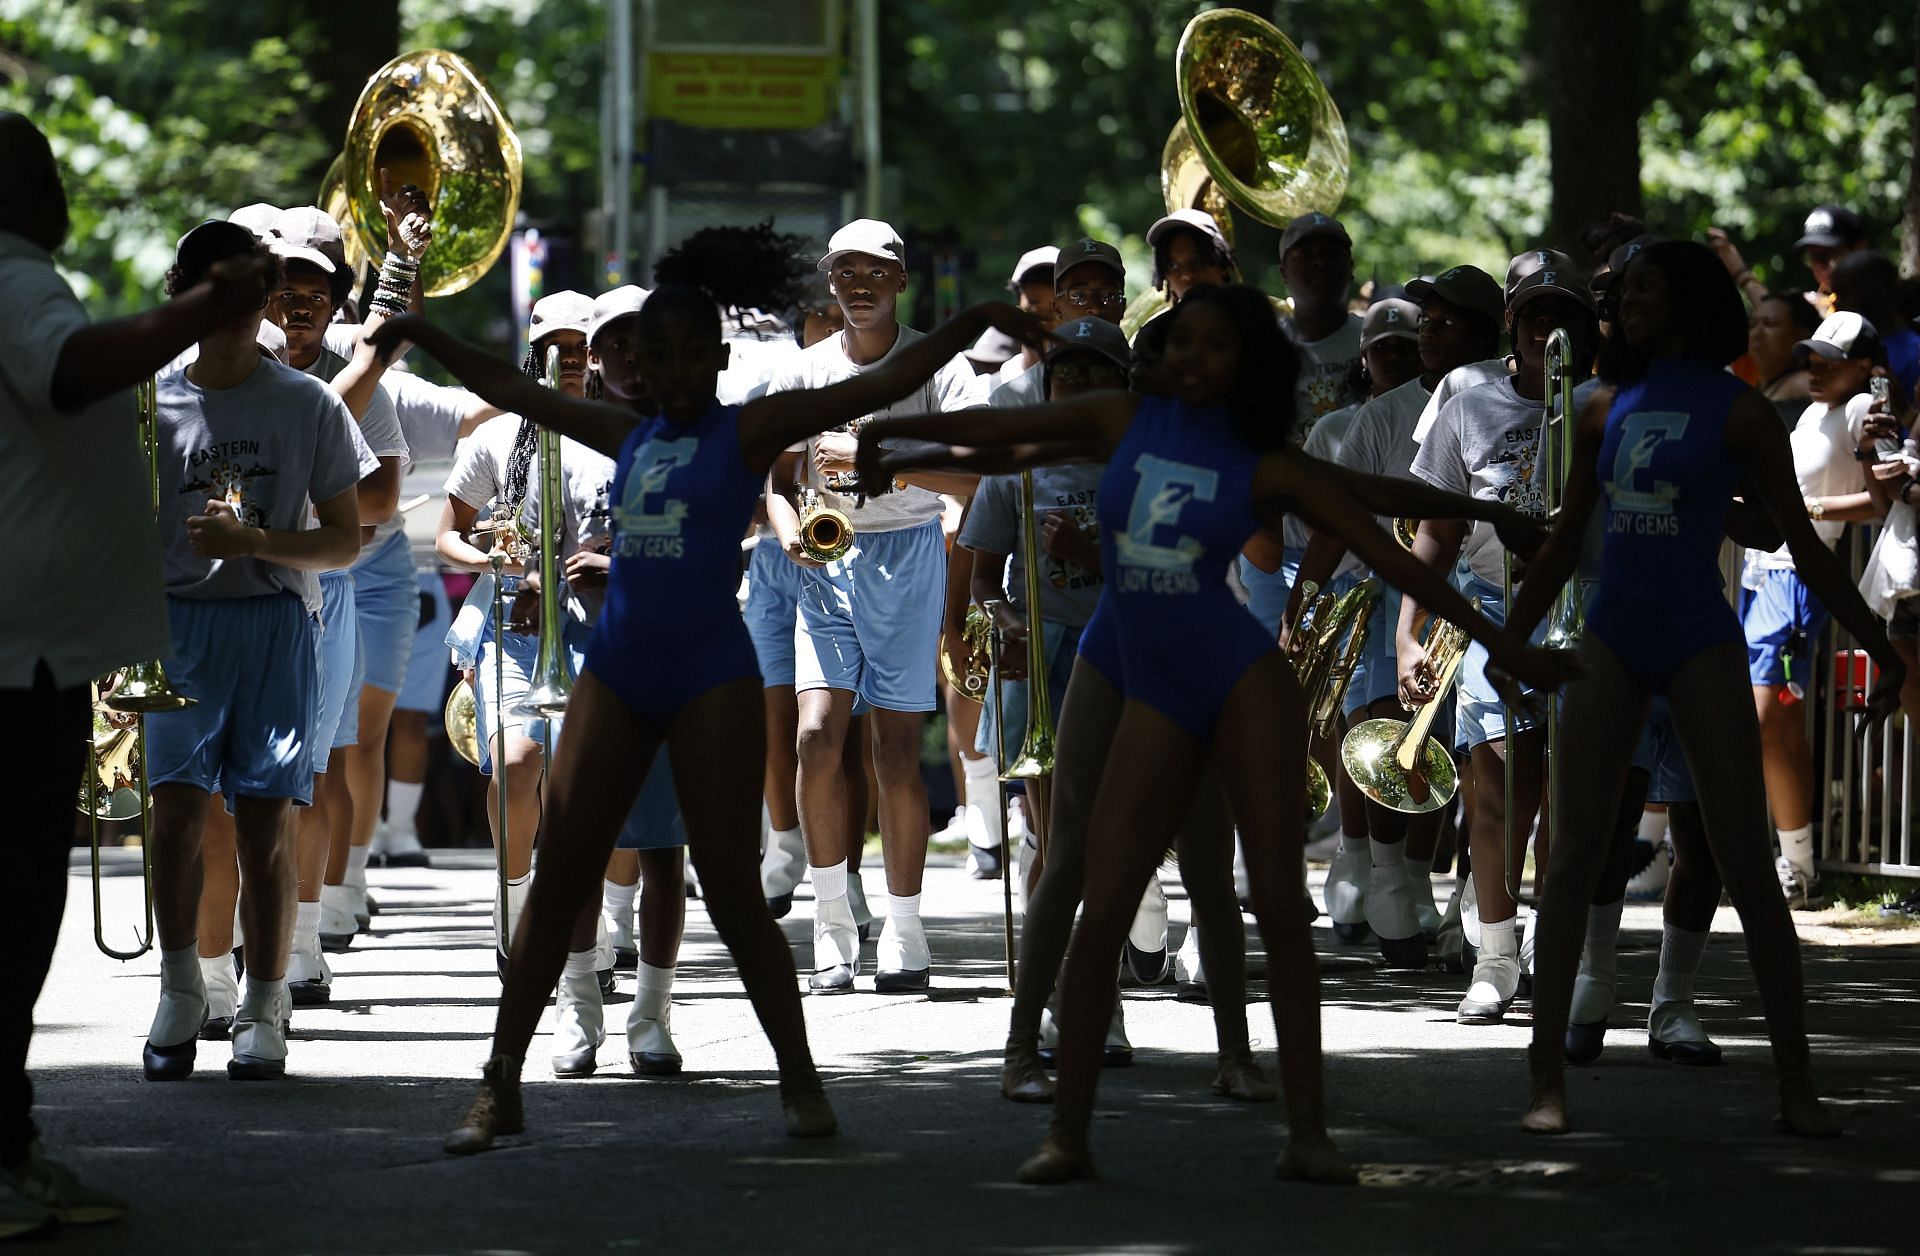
1257,132
427,119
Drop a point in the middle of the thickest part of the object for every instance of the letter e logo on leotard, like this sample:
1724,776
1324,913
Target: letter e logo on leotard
644,508
1641,434
1165,488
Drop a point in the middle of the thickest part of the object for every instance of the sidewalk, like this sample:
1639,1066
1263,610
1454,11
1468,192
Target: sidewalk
345,1157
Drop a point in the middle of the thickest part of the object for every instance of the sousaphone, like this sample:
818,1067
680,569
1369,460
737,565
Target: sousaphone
427,119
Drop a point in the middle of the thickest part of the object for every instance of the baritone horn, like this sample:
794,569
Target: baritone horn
1395,762
1257,133
1334,629
428,120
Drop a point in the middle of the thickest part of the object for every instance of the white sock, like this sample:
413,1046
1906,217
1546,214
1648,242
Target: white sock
403,803
983,795
1653,827
1387,854
1491,929
618,898
900,906
580,964
357,862
1680,954
1797,846
829,882
306,926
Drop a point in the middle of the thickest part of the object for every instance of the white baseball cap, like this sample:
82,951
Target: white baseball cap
865,235
1041,259
306,233
1845,335
257,218
617,304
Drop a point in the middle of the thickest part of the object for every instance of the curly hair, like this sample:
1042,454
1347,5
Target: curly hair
741,268
186,272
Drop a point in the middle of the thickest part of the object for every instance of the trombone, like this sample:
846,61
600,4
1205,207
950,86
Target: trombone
1333,631
115,786
1567,622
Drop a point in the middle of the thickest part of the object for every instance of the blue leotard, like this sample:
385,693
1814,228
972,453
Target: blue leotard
670,629
1669,485
1100,642
1175,509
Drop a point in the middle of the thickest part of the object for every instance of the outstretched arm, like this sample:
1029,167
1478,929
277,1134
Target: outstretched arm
777,421
103,358
592,423
1416,499
1066,431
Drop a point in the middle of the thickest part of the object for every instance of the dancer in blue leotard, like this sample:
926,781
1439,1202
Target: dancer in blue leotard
1668,444
1189,478
684,494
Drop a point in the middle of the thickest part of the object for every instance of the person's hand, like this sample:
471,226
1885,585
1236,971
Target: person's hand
1012,663
833,452
409,217
798,554
1726,250
587,569
1536,666
239,285
1884,698
1522,535
1023,325
389,335
219,533
1892,469
869,466
524,615
1419,684
1067,541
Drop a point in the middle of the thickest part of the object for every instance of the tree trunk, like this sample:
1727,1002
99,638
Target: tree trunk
350,52
1587,79
1910,220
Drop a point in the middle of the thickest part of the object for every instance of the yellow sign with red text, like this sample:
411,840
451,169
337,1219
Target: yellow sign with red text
734,91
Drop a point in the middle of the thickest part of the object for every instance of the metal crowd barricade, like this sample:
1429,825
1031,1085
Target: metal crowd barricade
1863,777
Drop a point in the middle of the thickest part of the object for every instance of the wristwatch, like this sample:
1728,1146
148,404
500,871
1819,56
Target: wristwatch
1816,509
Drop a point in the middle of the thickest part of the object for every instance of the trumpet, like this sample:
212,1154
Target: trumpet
976,634
549,687
1333,632
1395,762
825,531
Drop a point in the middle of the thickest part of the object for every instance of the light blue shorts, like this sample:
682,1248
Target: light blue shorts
773,607
387,594
428,671
1660,756
1479,715
249,664
1783,623
521,656
335,650
870,623
1063,646
654,822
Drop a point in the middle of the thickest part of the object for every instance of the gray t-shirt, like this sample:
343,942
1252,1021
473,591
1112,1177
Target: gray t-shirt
379,427
953,387
277,442
1325,365
1068,591
1486,443
1028,388
1325,442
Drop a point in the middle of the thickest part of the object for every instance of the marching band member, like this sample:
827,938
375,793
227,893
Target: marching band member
684,492
869,626
1487,442
244,446
1177,505
1669,443
74,475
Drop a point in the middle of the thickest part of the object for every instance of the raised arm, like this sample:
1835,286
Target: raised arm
1755,437
1416,499
592,423
777,421
1086,428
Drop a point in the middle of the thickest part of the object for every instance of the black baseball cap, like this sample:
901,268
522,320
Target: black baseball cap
1830,227
1468,287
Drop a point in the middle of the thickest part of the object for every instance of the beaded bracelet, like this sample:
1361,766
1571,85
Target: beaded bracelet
395,287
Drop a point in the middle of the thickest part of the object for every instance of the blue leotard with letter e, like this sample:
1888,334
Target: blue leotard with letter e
1175,509
670,629
1669,484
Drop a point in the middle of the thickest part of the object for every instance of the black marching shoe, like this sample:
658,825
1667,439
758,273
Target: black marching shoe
779,905
1695,1054
169,1064
1149,968
1585,1042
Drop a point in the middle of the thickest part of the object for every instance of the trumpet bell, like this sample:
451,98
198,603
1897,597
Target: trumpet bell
1368,754
333,202
463,723
427,119
1036,758
144,688
1319,791
1261,120
826,534
545,700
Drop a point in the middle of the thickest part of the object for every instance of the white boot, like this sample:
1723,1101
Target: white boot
902,962
980,817
260,1032
836,947
400,847
857,902
1450,944
337,927
1346,889
172,1041
1117,1052
1496,977
579,1018
1187,971
1420,888
603,956
223,997
309,979
1593,987
1147,938
650,1049
616,918
782,867
355,884
1674,1031
506,916
1390,910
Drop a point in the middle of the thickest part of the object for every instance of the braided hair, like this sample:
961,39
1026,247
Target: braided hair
741,268
520,457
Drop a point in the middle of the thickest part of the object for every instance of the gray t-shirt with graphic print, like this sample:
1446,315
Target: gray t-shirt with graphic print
1068,591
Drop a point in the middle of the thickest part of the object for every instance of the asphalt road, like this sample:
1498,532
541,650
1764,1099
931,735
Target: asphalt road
345,1156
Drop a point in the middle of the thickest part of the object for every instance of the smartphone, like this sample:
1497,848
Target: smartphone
1880,388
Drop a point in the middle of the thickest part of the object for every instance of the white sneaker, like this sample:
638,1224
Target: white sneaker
1649,884
579,1024
223,997
956,828
1146,949
309,979
902,963
1188,974
836,948
1496,979
1346,891
260,1039
337,926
